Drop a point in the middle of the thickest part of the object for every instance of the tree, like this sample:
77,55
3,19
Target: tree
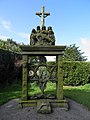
10,45
10,54
72,53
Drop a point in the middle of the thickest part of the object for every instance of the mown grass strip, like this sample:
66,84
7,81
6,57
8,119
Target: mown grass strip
80,94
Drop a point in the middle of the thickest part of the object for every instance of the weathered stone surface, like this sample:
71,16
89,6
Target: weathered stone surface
43,50
42,36
42,43
43,15
24,78
43,106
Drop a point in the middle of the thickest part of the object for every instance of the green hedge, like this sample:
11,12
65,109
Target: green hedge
76,73
8,71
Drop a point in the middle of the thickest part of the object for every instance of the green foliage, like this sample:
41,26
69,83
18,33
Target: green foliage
72,53
8,70
76,73
10,45
9,51
6,66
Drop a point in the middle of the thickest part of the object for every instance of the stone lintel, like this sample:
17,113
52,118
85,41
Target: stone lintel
43,50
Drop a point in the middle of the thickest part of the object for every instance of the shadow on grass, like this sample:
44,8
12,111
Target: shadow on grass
12,92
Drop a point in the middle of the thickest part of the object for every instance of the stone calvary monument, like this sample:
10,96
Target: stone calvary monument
36,69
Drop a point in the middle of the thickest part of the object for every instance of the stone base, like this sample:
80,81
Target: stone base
43,106
62,104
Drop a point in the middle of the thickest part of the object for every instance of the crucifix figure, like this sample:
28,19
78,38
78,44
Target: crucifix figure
43,15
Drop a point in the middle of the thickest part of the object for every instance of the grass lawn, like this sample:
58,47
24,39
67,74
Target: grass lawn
9,93
80,94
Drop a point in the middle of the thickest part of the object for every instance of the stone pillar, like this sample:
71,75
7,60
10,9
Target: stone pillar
24,78
60,78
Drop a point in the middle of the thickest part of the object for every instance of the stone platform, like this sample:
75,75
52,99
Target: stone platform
62,104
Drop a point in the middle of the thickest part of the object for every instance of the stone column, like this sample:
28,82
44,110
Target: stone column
24,78
60,78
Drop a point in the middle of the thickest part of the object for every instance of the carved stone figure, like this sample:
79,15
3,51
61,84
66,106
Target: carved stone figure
33,39
38,29
51,35
42,37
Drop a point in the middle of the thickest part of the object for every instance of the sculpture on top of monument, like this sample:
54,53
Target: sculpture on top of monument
42,36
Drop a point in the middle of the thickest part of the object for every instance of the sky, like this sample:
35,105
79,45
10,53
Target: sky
70,20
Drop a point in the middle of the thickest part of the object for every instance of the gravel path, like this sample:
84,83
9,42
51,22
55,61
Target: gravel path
12,111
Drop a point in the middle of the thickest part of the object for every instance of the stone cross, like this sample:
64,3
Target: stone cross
43,15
